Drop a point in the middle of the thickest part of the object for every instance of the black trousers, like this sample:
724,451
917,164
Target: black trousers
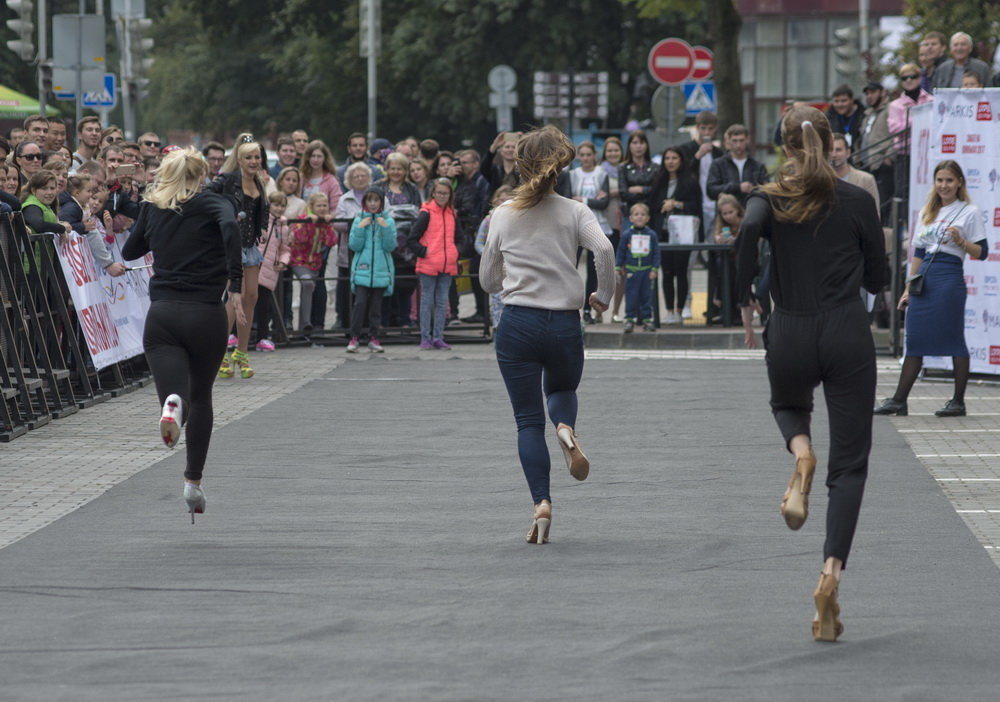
185,343
834,348
343,300
317,313
367,300
264,312
674,265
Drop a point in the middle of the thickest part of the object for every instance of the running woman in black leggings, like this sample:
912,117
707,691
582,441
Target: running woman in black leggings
195,243
826,243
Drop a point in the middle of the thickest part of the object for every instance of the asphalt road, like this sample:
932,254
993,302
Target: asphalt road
364,541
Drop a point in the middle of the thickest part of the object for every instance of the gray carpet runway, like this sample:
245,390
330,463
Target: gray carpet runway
364,541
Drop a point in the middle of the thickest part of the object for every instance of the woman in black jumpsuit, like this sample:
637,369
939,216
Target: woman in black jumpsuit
826,243
195,243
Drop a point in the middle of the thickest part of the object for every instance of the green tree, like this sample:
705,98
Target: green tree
263,64
978,18
723,24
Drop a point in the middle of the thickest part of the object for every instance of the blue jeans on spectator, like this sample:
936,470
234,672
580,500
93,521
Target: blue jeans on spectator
539,351
433,305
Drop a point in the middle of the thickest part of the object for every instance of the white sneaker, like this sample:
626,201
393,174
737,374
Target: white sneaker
170,420
686,312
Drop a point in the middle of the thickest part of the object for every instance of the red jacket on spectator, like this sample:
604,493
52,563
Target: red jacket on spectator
307,242
435,230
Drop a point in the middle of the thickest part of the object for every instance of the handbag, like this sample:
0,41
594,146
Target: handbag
916,281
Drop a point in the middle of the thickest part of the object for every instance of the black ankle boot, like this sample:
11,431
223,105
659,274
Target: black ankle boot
891,406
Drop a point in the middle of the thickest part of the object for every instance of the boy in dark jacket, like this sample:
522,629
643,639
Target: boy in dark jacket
638,260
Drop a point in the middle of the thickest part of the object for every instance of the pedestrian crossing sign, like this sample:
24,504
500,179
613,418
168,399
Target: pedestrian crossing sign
699,97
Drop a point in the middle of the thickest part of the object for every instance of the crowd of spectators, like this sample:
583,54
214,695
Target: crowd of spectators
96,188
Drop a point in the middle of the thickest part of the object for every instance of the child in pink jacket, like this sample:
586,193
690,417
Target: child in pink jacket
277,254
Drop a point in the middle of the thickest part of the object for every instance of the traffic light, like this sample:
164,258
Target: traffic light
876,52
23,46
142,45
848,62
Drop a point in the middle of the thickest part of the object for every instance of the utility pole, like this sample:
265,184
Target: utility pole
372,68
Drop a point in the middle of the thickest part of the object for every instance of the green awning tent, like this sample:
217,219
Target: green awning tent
14,105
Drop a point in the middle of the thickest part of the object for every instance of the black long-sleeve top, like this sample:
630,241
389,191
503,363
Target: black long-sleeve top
816,265
36,221
194,250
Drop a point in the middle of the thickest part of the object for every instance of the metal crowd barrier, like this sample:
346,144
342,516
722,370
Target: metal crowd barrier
45,371
480,333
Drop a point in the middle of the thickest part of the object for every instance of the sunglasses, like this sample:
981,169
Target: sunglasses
909,77
152,144
32,157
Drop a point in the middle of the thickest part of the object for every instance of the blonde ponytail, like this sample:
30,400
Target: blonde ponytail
541,155
804,186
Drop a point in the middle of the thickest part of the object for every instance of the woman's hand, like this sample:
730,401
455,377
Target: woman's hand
365,222
280,266
904,299
115,269
747,312
667,206
109,221
237,300
381,222
635,189
596,304
956,236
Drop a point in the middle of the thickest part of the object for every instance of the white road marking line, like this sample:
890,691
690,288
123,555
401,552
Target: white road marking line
957,455
968,480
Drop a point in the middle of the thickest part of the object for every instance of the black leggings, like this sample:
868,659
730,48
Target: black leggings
675,267
185,343
834,348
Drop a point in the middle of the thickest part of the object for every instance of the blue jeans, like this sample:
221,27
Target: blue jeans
539,351
433,301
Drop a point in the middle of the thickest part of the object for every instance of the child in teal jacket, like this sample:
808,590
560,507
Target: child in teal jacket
372,239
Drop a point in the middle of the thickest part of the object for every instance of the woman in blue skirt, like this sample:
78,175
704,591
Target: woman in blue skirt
935,319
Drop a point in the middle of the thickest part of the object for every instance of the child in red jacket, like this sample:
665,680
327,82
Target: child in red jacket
308,243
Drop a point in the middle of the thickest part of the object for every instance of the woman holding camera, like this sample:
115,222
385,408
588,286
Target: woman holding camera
935,290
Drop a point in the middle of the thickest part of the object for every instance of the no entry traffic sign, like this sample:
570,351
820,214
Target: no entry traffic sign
671,61
704,64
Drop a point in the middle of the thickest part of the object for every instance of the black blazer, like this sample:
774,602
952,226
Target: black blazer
688,192
230,185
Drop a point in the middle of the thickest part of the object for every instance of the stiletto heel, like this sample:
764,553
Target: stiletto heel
795,503
543,530
576,461
194,495
827,625
539,531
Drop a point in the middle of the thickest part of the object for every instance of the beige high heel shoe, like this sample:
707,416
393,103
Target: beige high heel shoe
576,461
795,504
539,531
826,625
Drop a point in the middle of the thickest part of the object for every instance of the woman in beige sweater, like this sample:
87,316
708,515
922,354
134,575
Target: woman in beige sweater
530,259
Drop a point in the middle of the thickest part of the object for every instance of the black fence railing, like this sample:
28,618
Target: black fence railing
45,371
